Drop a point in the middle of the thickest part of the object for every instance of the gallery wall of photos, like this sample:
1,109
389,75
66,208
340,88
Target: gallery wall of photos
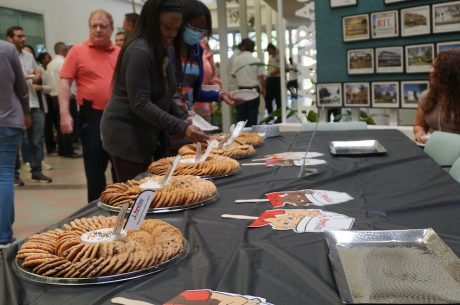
378,53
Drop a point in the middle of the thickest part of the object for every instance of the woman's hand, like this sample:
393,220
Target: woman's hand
227,97
420,137
195,134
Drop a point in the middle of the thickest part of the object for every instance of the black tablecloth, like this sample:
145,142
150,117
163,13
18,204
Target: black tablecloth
403,189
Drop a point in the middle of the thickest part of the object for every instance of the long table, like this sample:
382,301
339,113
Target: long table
403,189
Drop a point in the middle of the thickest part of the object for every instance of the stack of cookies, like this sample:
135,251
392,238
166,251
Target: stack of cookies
61,253
234,150
250,138
214,166
181,191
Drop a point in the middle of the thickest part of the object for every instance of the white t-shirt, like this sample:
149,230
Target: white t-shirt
246,74
53,69
28,67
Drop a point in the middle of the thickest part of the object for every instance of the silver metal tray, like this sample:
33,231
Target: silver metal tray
198,204
364,147
32,277
394,267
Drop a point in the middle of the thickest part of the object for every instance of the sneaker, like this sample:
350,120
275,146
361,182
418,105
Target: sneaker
18,181
41,178
27,166
46,166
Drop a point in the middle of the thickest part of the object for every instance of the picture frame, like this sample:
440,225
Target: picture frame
355,27
394,1
385,24
360,61
411,92
356,94
446,17
385,94
419,57
340,3
415,21
448,45
329,95
389,60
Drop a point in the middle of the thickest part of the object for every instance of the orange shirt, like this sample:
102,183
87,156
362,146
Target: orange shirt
92,68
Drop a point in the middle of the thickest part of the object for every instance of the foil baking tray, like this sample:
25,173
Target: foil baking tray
364,147
172,209
32,277
394,267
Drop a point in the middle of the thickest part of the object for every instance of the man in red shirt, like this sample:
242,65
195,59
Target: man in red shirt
91,64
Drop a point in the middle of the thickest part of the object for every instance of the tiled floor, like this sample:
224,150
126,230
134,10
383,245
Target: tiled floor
38,205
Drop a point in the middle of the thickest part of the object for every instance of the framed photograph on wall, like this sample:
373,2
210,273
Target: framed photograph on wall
329,94
446,17
385,94
419,58
356,94
411,92
340,3
415,21
394,1
385,24
445,46
355,27
360,61
389,60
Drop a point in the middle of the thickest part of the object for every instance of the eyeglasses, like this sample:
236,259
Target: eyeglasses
204,31
101,26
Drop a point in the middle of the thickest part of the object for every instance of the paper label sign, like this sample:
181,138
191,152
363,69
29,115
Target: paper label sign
139,210
301,221
207,297
236,131
307,197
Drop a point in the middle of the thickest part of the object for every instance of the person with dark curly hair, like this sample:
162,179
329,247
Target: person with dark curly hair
439,106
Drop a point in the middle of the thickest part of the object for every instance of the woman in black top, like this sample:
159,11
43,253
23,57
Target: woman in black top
142,108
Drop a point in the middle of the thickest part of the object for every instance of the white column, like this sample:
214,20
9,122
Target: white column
268,13
258,25
222,24
243,18
281,29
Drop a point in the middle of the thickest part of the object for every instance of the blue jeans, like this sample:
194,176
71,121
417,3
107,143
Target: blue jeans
9,143
35,136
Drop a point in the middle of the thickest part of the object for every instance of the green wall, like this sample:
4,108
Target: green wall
332,51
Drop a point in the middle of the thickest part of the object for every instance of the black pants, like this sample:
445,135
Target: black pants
273,91
248,110
65,147
95,157
51,125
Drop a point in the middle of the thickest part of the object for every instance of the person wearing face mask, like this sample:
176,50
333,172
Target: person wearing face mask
198,25
142,108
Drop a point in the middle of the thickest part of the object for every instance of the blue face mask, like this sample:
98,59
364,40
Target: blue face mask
191,36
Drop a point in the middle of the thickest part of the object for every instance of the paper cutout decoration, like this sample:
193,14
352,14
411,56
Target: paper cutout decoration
307,197
301,221
210,297
293,158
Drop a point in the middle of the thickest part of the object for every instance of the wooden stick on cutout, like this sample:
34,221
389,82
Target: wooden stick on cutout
251,200
230,216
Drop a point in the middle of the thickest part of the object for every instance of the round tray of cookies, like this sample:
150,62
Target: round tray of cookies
234,150
214,166
250,138
181,193
86,252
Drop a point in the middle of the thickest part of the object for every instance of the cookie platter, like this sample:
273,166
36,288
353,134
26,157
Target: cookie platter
85,252
172,209
181,193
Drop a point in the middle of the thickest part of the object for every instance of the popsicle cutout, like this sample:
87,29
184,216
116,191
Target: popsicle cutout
301,220
207,297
